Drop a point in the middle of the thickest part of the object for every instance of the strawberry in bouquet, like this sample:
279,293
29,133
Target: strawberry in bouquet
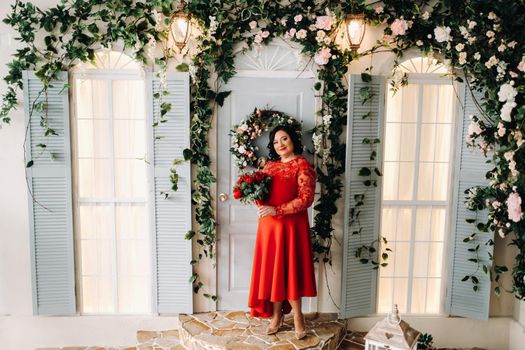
252,187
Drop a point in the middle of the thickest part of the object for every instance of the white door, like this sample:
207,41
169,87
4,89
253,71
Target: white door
237,223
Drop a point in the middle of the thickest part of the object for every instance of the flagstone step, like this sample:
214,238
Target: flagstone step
238,330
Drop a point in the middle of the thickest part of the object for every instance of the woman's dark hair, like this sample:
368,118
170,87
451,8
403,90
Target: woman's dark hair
295,136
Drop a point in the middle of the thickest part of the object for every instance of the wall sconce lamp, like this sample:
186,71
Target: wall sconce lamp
355,30
180,29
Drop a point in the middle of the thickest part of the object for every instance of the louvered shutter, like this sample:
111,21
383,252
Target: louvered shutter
50,206
360,280
172,215
471,169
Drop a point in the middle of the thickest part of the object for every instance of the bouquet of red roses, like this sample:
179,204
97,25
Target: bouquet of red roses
253,186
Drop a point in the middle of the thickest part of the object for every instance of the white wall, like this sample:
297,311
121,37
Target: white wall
20,330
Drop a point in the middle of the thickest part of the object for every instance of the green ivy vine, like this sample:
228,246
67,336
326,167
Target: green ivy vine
74,29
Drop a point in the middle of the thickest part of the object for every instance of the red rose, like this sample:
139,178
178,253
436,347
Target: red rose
237,193
259,176
249,180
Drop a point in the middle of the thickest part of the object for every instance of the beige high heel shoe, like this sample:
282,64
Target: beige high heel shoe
301,335
270,330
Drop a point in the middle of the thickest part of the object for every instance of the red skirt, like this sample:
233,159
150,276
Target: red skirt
283,267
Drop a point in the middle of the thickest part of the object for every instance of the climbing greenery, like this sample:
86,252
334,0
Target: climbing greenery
482,39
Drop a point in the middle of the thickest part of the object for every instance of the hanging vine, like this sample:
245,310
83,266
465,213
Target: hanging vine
486,46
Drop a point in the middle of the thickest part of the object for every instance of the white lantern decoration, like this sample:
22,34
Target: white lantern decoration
392,333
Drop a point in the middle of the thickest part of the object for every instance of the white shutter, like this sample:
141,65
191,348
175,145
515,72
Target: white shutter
50,207
360,280
471,168
172,215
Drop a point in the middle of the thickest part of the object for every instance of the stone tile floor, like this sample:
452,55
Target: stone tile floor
238,330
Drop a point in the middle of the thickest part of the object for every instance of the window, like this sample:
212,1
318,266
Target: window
113,237
417,189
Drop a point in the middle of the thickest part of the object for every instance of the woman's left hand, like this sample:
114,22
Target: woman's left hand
266,210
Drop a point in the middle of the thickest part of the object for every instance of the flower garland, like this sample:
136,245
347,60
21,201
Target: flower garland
247,131
487,47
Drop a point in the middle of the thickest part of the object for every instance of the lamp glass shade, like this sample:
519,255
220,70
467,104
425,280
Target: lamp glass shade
355,30
180,29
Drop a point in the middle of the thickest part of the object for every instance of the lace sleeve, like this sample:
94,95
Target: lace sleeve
305,196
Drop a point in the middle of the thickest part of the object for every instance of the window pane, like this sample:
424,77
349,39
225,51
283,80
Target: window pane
419,290
99,290
443,139
421,251
440,181
390,180
427,149
407,142
435,260
430,103
423,224
93,138
404,224
438,224
424,186
130,178
400,294
92,98
95,221
386,286
93,178
129,138
409,108
392,137
433,295
401,256
406,181
128,99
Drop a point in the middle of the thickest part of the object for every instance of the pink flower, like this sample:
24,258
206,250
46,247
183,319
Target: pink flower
379,9
496,204
298,18
514,207
323,22
322,57
521,66
258,39
253,24
265,34
240,130
292,32
399,27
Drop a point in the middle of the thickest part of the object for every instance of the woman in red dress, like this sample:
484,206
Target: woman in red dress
283,268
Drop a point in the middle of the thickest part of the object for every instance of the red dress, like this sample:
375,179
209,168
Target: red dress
283,267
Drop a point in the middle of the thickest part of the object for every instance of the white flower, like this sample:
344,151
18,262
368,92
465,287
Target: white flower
507,92
506,110
244,127
464,32
512,44
460,47
425,15
399,27
492,15
442,34
419,43
491,62
379,9
472,40
213,25
471,24
501,48
429,36
326,119
322,56
477,56
490,34
241,149
521,65
321,34
301,34
474,128
253,24
284,21
258,39
298,18
508,156
462,57
501,129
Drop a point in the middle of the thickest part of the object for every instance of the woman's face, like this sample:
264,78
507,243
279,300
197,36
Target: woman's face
282,143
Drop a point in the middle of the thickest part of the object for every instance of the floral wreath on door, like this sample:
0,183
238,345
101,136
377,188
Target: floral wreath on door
249,129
